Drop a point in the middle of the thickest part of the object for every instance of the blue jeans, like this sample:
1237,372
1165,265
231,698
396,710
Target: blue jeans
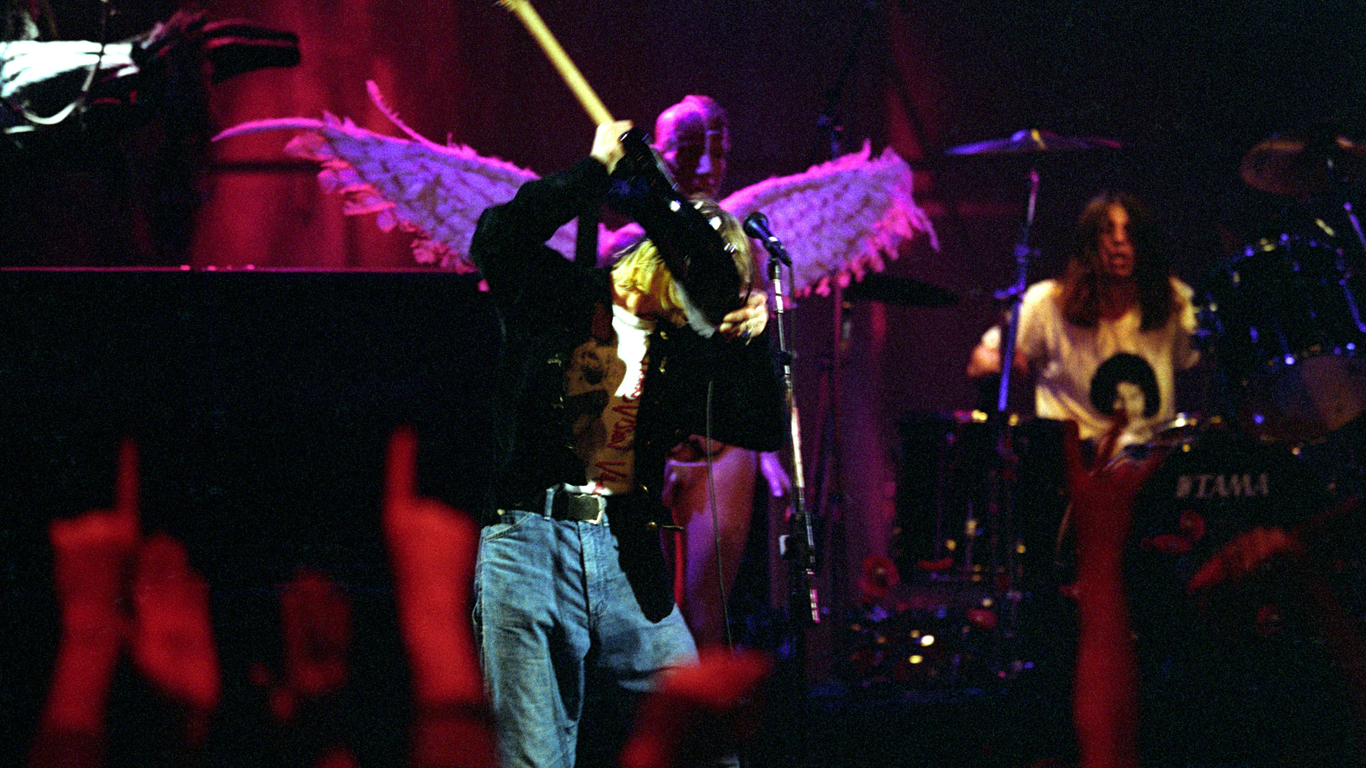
558,623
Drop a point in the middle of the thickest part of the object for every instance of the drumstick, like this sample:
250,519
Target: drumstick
572,77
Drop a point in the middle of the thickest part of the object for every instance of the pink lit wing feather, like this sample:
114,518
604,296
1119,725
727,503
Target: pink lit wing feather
434,191
840,219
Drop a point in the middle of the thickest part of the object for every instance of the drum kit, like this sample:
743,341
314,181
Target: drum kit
1284,324
1284,320
1286,317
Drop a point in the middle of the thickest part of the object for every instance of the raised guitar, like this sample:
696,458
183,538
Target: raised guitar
643,189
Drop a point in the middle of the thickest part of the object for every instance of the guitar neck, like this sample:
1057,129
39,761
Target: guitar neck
560,60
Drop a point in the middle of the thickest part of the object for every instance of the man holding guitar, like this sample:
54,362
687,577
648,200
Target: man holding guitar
603,371
709,487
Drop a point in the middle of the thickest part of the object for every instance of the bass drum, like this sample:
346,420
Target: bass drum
1214,484
1231,675
1286,325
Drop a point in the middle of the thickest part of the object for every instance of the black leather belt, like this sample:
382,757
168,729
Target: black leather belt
561,504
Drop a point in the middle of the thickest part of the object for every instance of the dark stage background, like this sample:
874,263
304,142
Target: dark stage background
1188,87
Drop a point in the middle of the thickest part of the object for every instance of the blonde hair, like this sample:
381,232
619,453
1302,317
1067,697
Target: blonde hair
641,269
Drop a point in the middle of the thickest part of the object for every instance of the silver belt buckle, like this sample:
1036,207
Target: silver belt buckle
602,509
575,499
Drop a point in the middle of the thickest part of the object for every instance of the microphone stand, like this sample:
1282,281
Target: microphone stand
798,545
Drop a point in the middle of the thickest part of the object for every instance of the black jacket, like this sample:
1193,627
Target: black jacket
546,306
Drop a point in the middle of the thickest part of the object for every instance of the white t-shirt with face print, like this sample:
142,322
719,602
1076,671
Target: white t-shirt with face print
1065,356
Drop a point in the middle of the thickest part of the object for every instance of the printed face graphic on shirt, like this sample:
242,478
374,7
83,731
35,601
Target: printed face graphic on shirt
1129,400
1125,387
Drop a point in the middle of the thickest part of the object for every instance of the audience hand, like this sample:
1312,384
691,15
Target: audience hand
700,712
1243,555
316,621
172,640
91,556
1105,708
1102,497
112,587
91,553
433,549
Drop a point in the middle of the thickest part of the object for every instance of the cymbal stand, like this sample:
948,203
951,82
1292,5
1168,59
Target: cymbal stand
1342,185
1015,293
1001,475
1000,504
1357,318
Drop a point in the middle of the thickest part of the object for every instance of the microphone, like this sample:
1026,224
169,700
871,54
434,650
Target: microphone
756,226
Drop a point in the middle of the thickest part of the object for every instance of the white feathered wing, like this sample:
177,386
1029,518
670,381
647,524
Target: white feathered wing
839,219
435,191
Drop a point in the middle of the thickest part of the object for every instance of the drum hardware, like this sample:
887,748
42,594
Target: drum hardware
1284,322
1036,144
1284,317
1305,163
964,579
1033,141
1180,432
1221,484
933,637
1218,483
957,489
1000,473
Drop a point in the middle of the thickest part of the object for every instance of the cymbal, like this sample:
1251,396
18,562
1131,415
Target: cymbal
1298,166
901,291
1033,141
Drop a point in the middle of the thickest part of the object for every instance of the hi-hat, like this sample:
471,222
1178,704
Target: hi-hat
1033,141
1303,164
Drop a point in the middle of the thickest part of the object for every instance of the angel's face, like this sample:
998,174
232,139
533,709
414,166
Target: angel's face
694,147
